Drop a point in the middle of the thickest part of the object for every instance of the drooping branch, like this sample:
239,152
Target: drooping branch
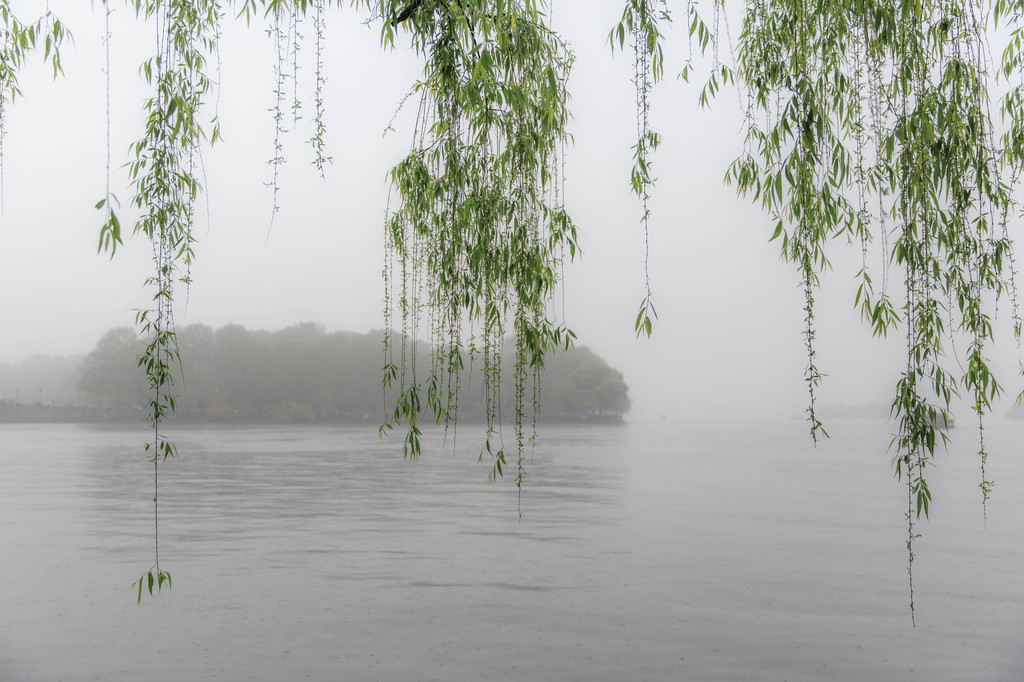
409,10
831,86
165,184
640,22
478,235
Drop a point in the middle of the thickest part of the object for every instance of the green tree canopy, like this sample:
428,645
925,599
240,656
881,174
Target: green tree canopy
302,373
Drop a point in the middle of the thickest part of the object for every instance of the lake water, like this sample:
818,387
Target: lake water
665,552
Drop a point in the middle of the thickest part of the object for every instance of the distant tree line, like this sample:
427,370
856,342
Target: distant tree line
41,380
304,374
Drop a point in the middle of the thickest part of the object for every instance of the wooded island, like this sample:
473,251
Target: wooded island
300,374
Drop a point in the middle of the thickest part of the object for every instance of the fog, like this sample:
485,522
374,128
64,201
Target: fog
728,342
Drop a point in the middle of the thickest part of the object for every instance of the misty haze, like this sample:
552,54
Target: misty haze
423,340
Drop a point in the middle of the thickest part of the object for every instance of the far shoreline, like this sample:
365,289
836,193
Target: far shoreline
12,412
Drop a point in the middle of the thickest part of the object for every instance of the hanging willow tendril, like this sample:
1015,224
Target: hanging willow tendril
163,176
640,23
280,13
478,231
110,236
318,139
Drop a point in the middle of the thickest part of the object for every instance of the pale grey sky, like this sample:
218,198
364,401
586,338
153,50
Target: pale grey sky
729,339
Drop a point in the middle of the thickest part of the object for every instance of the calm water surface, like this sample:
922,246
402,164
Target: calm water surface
666,552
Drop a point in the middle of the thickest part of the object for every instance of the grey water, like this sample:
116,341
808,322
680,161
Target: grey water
672,551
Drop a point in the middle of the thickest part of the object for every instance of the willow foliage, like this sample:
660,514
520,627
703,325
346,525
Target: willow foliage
476,241
868,123
165,188
18,40
640,25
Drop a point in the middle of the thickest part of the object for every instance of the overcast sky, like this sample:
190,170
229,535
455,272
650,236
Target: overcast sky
729,338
